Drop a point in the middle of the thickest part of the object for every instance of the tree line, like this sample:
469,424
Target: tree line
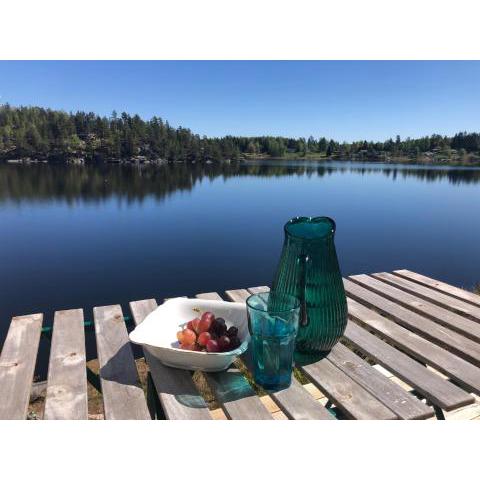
40,133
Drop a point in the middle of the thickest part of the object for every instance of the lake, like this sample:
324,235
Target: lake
80,236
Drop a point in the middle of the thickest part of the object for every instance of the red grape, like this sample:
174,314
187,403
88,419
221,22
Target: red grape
212,346
208,316
204,324
204,338
189,337
208,334
224,343
193,324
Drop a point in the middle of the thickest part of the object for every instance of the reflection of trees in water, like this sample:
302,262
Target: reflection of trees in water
455,176
93,183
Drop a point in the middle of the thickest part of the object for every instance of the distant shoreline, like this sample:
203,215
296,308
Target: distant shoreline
250,159
380,159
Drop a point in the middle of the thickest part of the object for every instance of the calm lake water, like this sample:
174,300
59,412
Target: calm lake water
84,236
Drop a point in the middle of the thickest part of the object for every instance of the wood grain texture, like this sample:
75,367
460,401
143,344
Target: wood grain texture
238,295
238,399
456,292
261,289
381,284
66,397
298,404
123,396
178,396
350,397
17,365
466,374
434,297
434,388
438,334
404,404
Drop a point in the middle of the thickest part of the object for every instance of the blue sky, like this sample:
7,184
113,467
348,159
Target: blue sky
341,100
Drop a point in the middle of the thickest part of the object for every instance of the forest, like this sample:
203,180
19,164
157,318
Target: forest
42,134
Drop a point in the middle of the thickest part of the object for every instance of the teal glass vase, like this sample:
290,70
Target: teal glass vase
309,270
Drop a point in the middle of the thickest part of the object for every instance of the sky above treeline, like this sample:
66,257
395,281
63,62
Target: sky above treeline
344,100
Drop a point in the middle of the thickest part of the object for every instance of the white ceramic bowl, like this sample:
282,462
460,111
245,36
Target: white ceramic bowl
158,333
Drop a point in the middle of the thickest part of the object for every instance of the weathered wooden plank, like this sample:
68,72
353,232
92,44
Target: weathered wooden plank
439,334
17,365
349,396
463,372
471,412
261,289
238,399
298,404
404,404
123,396
178,396
434,388
238,295
383,286
433,296
66,397
456,292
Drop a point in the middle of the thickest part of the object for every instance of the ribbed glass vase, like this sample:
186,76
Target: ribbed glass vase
309,270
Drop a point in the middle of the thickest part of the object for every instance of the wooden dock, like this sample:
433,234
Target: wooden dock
411,350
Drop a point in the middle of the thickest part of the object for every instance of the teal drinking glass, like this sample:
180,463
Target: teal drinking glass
273,324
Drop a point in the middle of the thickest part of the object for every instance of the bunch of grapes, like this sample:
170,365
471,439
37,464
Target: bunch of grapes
208,334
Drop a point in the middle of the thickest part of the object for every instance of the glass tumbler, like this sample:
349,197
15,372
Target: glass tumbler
273,325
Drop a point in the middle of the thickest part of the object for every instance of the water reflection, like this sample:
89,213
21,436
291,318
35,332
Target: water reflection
46,182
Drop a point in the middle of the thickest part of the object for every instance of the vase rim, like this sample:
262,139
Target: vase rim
292,228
